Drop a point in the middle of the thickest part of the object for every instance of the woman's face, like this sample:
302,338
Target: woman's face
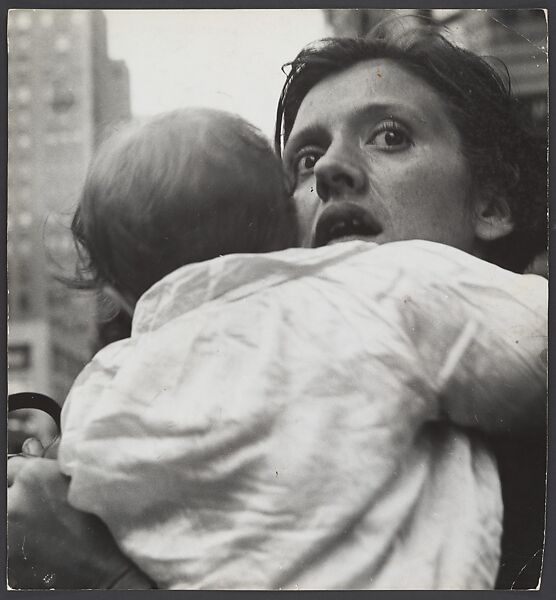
374,156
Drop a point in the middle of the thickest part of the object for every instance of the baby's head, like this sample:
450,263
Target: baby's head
185,187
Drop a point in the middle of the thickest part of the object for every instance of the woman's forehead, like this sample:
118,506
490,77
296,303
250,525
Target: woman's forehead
371,85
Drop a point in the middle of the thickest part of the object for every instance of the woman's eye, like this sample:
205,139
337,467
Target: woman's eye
307,162
390,136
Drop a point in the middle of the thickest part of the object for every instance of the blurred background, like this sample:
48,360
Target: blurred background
76,75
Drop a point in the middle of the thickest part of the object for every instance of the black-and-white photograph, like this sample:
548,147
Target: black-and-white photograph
277,299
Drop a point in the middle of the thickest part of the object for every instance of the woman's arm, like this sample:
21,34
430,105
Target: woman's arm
480,335
53,546
499,384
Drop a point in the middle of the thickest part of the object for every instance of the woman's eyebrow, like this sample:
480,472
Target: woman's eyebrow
390,108
410,112
313,133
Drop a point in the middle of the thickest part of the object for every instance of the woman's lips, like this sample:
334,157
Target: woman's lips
345,221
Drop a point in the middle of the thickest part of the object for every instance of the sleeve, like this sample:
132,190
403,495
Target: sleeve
495,374
86,398
481,335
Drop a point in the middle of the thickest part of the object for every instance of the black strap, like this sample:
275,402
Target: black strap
37,401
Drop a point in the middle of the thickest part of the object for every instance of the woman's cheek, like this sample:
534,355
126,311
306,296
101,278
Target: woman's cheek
307,203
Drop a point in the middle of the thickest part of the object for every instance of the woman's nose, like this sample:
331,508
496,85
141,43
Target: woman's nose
338,175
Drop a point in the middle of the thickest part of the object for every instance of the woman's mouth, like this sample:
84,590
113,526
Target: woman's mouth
345,221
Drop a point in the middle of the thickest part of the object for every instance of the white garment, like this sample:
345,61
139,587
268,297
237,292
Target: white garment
276,421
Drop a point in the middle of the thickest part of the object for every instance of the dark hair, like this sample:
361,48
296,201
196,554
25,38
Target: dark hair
184,187
506,157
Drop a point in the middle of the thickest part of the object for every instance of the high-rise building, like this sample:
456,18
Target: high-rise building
64,93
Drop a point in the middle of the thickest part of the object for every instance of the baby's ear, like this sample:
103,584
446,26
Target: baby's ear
493,218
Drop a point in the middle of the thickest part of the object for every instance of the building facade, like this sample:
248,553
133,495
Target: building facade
64,94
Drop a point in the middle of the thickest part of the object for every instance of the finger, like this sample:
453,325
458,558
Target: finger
15,499
32,447
51,450
15,465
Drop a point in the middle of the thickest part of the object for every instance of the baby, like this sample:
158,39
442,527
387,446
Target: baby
287,418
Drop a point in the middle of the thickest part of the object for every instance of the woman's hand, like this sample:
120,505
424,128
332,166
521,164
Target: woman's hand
33,447
52,545
539,265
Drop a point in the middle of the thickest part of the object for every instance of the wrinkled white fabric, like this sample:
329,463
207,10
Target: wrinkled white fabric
279,421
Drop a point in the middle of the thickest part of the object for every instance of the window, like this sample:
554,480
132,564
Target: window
63,137
61,97
24,141
24,271
24,248
24,19
62,43
23,43
19,356
78,17
46,18
63,119
23,94
23,171
51,138
23,117
25,218
23,302
23,191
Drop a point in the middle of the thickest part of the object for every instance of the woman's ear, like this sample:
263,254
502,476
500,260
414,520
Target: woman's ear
493,219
